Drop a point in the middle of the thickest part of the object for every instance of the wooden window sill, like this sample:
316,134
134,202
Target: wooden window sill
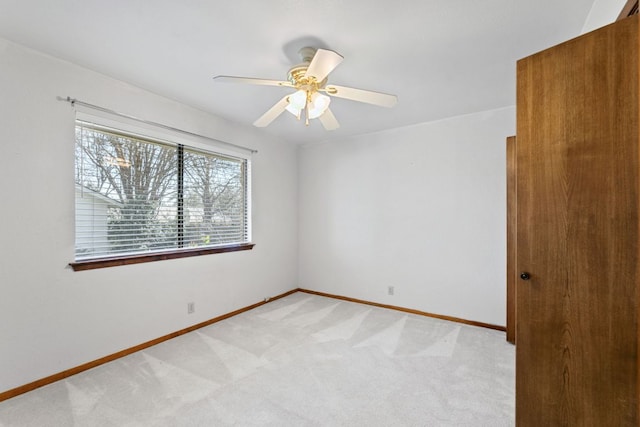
138,259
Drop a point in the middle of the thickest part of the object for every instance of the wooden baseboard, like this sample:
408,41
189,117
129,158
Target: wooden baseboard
86,366
408,310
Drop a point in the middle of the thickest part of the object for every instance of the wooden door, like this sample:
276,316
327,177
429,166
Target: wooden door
577,232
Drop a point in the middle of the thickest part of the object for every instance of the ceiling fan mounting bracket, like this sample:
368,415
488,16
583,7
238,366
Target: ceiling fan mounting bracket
307,53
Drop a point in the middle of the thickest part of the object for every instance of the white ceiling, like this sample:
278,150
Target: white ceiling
442,58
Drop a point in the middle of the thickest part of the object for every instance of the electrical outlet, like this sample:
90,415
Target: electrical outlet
191,307
390,290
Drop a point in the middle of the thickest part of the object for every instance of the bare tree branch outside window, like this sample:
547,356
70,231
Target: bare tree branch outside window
131,184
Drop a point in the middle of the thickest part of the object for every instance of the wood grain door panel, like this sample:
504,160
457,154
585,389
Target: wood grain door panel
577,232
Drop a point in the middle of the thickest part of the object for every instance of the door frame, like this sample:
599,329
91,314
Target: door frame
511,237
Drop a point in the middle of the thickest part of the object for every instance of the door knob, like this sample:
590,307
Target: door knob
525,276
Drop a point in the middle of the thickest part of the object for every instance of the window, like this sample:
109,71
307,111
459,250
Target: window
137,196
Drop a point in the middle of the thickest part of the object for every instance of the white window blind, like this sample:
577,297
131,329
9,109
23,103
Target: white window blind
138,195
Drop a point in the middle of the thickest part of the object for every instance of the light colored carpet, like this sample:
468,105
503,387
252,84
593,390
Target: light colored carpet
303,360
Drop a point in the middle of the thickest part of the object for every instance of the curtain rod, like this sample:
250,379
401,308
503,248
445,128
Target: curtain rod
74,101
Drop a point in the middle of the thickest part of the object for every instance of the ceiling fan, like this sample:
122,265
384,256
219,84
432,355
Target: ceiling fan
310,98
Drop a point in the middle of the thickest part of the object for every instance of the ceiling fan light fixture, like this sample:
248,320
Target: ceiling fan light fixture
318,105
293,110
297,102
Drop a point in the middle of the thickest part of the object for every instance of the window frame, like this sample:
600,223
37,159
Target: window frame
155,135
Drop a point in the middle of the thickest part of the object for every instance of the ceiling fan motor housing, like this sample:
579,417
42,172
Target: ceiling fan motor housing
297,73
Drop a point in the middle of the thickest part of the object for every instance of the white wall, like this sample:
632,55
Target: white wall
603,12
420,208
52,318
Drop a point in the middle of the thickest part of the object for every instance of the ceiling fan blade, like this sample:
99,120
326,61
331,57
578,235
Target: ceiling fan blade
360,95
323,62
273,112
250,80
328,120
